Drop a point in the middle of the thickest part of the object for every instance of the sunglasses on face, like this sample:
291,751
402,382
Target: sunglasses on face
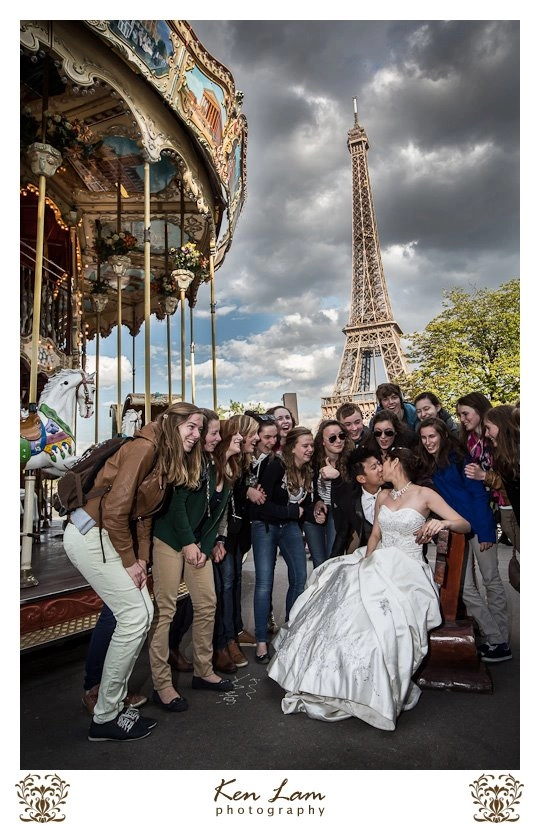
380,433
335,436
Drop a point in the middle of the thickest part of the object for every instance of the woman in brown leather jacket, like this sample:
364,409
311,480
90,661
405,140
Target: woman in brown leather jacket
108,541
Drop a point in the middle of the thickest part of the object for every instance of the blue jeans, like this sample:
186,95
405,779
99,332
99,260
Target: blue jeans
183,619
265,540
228,583
98,647
320,539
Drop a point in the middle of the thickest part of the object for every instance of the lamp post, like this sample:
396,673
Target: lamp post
183,278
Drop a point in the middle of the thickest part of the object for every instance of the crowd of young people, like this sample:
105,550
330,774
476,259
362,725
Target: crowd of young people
193,494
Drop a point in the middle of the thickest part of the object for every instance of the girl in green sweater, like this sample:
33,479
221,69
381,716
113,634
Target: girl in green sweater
184,545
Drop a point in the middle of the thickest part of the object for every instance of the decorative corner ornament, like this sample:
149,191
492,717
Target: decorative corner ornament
495,801
42,801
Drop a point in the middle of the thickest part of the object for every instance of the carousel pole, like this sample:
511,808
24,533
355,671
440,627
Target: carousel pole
99,302
44,160
119,310
96,396
147,399
183,339
182,299
74,218
168,322
119,358
192,355
169,364
133,353
76,314
213,317
27,579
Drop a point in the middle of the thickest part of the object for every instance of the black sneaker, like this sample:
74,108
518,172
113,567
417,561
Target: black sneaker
125,727
495,653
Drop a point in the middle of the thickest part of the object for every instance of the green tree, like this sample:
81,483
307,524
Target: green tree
472,345
237,408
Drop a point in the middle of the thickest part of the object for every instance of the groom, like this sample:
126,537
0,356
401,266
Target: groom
354,501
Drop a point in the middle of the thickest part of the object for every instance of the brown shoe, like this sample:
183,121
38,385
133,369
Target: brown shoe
236,655
90,698
135,700
246,639
271,625
223,662
178,662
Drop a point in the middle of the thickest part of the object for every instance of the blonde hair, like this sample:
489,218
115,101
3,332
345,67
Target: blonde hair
173,463
247,427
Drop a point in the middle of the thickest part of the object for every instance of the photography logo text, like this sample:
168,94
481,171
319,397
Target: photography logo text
279,801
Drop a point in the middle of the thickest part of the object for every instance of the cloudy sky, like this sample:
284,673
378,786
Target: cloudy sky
439,101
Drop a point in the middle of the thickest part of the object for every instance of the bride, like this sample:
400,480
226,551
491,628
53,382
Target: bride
359,631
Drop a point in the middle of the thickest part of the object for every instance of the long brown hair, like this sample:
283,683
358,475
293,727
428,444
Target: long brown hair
479,402
173,463
297,477
227,469
209,415
319,454
506,451
450,449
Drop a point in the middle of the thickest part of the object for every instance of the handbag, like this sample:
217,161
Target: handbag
513,571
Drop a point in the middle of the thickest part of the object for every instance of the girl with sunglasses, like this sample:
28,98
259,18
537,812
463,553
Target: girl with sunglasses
332,448
388,431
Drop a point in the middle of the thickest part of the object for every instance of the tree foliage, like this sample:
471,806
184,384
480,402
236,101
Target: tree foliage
473,345
237,408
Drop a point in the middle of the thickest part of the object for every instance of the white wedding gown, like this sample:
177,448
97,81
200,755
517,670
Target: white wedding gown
359,631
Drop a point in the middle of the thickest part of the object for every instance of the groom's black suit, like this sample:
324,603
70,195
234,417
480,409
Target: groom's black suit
349,516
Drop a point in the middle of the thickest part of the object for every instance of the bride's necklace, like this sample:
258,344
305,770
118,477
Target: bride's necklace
395,494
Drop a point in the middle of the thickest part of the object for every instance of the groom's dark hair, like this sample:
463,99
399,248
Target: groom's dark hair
357,459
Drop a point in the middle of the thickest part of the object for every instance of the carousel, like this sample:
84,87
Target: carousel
133,173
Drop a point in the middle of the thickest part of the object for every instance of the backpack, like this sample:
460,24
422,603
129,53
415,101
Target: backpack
76,486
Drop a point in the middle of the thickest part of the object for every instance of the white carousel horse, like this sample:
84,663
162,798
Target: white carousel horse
47,440
131,422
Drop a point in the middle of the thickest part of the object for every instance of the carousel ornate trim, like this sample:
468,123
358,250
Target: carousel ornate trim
50,358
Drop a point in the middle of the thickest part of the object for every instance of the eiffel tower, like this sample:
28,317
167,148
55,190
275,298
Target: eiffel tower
372,334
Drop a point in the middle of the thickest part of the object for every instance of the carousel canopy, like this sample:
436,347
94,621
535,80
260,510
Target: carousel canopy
112,96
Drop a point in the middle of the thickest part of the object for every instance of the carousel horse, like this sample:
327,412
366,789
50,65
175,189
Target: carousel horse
131,422
47,440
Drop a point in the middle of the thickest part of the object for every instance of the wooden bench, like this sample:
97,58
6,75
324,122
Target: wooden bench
452,662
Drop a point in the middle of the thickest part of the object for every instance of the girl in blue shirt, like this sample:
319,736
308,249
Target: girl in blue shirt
445,461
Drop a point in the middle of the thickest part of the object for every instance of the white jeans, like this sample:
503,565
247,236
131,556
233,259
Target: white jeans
132,609
491,617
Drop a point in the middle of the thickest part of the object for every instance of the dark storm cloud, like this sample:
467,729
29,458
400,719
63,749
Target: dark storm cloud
440,104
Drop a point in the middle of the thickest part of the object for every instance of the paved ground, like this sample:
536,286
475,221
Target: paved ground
247,731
